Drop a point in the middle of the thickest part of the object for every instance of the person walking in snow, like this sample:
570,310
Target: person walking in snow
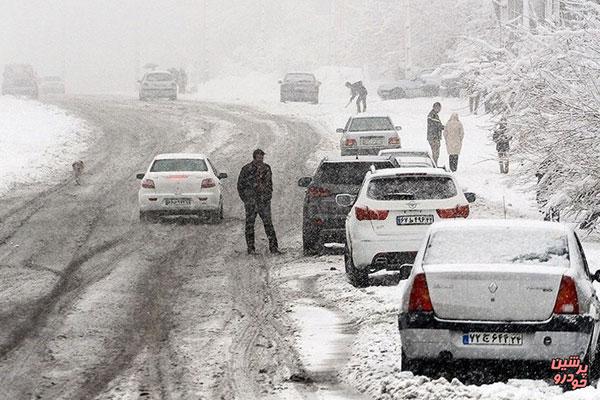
255,188
453,135
434,131
358,91
474,91
502,140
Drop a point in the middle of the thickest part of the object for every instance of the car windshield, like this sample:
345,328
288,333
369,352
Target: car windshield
159,77
498,245
179,165
350,173
371,124
411,187
299,78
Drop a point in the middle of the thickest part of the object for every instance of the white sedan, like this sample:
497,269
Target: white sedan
500,290
391,215
181,184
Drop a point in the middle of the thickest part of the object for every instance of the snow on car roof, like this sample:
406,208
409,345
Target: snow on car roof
367,115
179,155
462,224
405,150
354,159
158,72
411,171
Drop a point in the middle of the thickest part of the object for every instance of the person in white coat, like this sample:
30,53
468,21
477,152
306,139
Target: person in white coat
453,136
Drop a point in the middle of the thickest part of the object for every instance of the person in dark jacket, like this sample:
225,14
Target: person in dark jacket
502,140
360,93
434,131
255,187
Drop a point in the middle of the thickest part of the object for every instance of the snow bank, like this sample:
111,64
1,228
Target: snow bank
37,142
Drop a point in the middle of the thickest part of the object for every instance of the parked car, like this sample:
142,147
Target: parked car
20,80
52,85
181,184
391,215
500,290
404,89
323,219
448,77
157,84
407,156
367,135
299,86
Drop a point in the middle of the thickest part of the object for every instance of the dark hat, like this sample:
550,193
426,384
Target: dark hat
257,152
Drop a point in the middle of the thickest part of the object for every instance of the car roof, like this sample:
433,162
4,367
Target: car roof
406,150
352,159
462,224
411,171
168,156
158,72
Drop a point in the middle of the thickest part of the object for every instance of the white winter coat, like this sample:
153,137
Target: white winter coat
453,135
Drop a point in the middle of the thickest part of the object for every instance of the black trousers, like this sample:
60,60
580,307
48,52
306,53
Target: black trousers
263,209
453,158
361,100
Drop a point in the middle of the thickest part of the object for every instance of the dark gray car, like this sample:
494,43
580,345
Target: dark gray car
324,220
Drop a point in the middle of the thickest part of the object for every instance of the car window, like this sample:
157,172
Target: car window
371,124
159,77
411,187
498,245
586,267
351,173
179,165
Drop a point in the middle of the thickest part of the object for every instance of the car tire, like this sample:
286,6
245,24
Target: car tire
397,93
358,278
409,364
310,244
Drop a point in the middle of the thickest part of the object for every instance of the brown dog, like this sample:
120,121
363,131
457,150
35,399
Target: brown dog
77,170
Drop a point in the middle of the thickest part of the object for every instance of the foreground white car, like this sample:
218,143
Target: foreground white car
181,184
500,290
391,215
367,135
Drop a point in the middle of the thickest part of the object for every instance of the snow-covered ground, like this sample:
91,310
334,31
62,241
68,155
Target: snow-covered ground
374,366
38,142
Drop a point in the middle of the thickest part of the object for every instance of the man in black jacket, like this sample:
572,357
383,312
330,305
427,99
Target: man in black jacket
358,91
434,131
255,187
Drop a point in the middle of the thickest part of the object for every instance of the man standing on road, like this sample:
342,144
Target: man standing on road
255,187
434,131
360,93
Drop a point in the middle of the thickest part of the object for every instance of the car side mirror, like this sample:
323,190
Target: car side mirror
398,128
471,197
222,175
304,182
139,176
596,276
345,200
340,130
405,271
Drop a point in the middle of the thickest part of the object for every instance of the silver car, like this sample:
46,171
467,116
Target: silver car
367,135
500,290
157,84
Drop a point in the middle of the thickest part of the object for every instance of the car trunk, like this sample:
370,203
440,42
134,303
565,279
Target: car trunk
371,138
178,182
493,292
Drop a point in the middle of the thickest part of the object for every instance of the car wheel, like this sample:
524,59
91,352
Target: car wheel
410,364
310,244
358,278
397,93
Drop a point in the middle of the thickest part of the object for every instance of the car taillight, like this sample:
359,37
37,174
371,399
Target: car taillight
350,142
367,214
148,184
394,140
566,299
208,183
456,212
318,192
419,299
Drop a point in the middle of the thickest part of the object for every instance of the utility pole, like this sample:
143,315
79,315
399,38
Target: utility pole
407,40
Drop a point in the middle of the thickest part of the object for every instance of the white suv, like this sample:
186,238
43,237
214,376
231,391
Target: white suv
391,214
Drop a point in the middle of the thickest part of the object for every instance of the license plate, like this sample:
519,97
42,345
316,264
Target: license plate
371,141
178,202
492,339
414,220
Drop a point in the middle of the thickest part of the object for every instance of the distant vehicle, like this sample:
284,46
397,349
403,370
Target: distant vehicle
181,184
157,84
405,89
448,77
299,86
323,220
408,155
52,85
367,135
391,215
20,80
513,290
